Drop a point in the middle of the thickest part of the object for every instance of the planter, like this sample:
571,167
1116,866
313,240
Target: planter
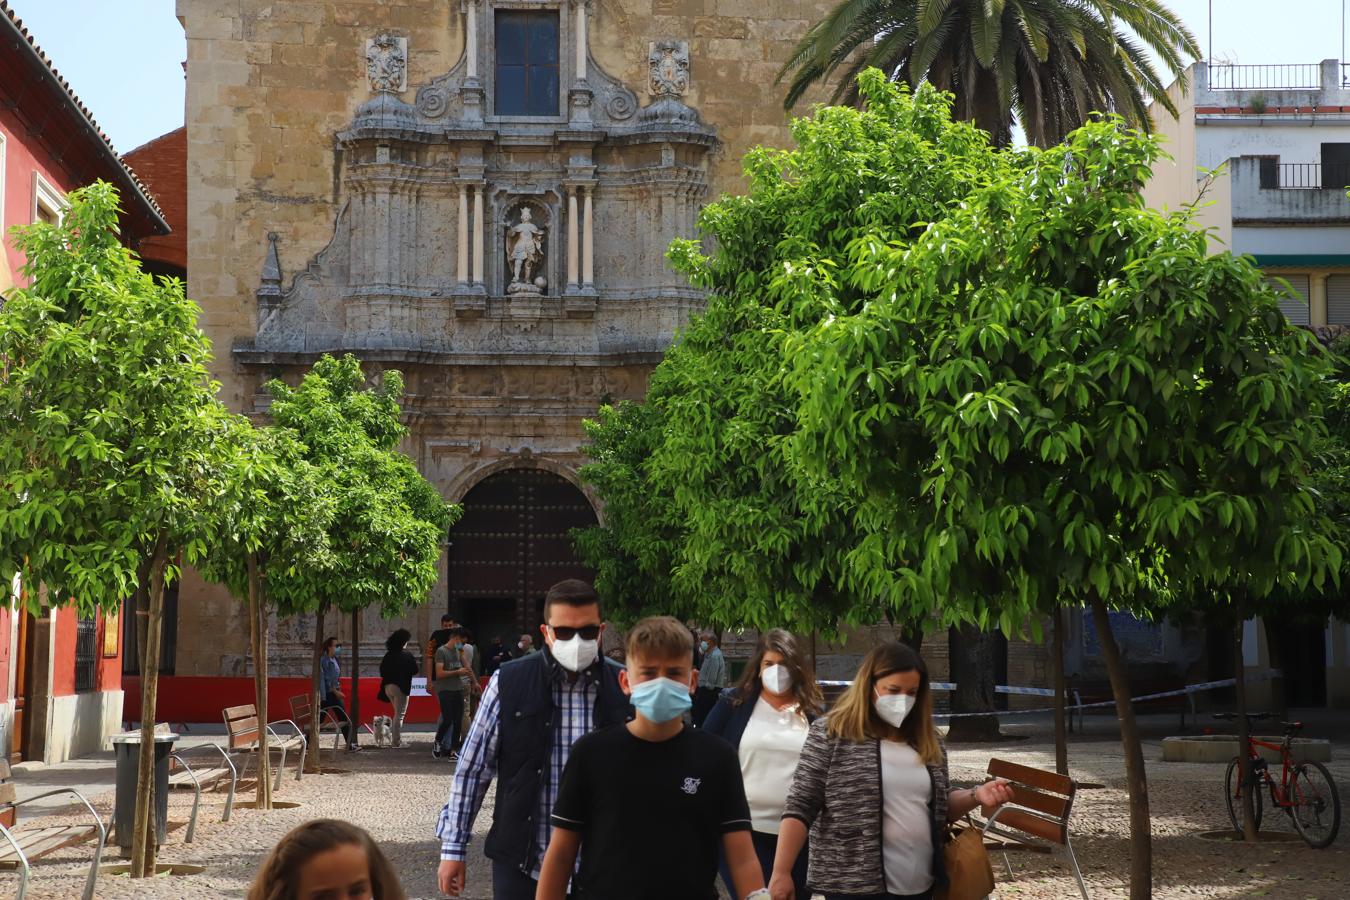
1220,748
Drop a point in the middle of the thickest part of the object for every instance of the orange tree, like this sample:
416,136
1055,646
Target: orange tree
1090,400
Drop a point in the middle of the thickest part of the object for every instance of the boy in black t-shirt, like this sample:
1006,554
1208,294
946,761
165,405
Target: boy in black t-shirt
649,803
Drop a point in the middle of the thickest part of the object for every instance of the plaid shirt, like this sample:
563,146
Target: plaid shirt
575,703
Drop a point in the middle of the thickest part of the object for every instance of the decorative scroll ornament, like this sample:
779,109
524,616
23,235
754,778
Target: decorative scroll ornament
387,63
668,65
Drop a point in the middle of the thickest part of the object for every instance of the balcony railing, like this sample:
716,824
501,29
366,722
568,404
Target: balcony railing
1304,176
1282,77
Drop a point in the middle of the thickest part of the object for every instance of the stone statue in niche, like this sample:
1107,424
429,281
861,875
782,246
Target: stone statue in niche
668,67
525,255
387,63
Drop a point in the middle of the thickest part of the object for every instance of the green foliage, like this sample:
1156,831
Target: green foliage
933,378
389,523
109,426
277,508
1052,63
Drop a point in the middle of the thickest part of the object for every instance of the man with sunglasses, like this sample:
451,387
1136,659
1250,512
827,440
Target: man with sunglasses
532,711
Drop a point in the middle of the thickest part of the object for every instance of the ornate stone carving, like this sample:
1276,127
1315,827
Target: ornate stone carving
387,63
525,255
668,68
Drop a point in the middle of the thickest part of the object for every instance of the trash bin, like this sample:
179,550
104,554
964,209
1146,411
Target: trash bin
127,748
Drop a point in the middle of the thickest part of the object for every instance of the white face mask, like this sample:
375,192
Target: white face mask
893,708
776,679
575,654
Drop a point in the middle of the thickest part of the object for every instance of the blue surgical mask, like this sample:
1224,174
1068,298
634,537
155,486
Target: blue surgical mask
702,646
661,699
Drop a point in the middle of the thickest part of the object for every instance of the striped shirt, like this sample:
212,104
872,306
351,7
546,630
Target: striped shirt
575,702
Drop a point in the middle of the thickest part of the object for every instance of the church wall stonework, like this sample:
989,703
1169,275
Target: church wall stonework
333,151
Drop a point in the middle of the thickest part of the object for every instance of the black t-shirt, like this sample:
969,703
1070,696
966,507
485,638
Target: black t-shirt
651,814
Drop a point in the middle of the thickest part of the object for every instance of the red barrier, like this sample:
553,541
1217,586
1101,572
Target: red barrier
186,698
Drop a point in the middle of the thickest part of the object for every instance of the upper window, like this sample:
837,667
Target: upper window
48,204
527,63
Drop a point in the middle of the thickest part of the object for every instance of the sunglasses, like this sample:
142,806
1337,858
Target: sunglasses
564,633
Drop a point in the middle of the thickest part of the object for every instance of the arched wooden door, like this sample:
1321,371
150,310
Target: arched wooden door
512,543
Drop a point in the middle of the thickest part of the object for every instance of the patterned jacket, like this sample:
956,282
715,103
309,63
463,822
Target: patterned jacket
836,792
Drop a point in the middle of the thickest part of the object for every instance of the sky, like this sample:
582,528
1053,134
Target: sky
123,57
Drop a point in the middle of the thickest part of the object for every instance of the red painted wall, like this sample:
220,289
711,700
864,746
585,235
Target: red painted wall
21,160
109,667
63,654
188,698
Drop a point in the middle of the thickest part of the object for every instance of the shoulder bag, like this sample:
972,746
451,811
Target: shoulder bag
969,874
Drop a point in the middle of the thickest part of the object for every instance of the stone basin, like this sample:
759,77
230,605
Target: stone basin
1220,748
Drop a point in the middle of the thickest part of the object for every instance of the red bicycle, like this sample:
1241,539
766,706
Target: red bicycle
1305,791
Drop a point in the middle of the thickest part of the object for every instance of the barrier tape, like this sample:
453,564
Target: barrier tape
1078,705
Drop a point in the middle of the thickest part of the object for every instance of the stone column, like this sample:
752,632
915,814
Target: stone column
478,232
588,242
572,237
462,238
471,37
1317,298
580,8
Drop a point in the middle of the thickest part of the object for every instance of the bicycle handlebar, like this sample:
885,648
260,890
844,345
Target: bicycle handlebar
1251,717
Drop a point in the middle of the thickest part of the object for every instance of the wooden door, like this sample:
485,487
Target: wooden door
512,543
23,680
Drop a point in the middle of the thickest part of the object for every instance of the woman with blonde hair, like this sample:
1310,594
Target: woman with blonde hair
766,717
871,789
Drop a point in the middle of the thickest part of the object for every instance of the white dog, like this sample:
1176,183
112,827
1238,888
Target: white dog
383,726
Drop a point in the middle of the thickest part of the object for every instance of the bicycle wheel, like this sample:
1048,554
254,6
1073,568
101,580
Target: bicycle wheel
1317,806
1233,797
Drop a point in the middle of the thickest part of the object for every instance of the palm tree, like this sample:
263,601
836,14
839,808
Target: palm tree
1049,62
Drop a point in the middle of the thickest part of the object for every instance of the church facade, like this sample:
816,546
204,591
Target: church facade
478,193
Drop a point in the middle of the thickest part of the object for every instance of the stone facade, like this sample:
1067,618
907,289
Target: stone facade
351,189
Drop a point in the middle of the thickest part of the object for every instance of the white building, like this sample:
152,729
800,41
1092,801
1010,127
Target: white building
1265,149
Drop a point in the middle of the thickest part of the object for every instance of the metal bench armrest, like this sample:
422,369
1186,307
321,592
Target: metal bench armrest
280,722
87,805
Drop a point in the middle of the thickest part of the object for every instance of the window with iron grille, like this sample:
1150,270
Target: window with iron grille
86,654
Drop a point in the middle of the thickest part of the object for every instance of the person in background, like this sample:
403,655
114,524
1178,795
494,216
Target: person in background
474,663
330,688
712,678
526,645
397,669
449,671
438,638
872,790
766,717
649,804
497,654
326,859
534,709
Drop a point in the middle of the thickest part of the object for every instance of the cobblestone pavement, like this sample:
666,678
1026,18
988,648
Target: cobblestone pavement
397,793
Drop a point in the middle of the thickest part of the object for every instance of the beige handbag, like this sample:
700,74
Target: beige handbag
969,874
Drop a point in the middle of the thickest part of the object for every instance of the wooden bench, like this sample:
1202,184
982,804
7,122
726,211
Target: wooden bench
22,846
208,773
241,729
1037,817
302,712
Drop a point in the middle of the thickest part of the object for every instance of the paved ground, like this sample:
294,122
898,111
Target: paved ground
396,794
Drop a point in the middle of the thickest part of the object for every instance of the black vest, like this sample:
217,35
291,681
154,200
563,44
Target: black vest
524,744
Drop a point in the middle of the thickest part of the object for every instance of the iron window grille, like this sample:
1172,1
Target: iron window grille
86,654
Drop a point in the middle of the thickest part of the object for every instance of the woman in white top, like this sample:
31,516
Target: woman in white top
871,789
766,717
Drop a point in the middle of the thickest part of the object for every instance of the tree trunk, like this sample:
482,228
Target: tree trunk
1243,732
912,634
1057,673
257,632
356,675
144,829
971,654
312,761
1141,840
